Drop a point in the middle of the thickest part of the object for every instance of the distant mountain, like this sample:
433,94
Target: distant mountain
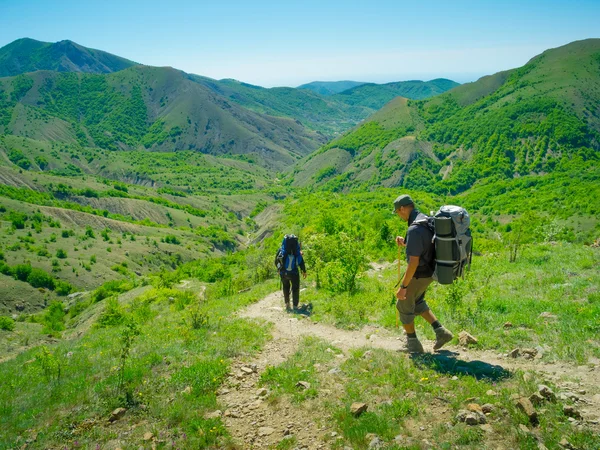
542,117
146,108
28,55
68,93
330,87
328,114
374,96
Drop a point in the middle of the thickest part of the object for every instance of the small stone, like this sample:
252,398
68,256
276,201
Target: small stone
525,405
148,436
570,411
529,353
117,414
514,353
582,391
488,408
334,371
536,399
487,428
213,415
262,392
491,393
542,446
471,418
187,390
454,378
303,384
232,414
508,325
358,408
465,339
474,407
375,443
265,431
566,444
547,393
367,354
247,370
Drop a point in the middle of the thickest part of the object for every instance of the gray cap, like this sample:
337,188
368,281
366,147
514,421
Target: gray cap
402,200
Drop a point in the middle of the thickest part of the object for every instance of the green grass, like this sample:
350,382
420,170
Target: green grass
168,356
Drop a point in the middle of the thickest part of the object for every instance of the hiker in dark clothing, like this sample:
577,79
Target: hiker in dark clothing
288,259
418,276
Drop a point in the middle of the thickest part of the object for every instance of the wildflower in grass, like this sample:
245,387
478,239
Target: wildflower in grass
424,379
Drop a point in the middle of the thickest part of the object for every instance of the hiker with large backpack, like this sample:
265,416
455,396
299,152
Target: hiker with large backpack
287,260
420,256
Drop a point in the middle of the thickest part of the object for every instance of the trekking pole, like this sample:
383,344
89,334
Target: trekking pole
399,275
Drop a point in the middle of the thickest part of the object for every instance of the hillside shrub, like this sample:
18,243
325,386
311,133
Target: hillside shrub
62,288
40,279
112,315
7,323
22,271
54,318
170,239
110,288
60,253
17,220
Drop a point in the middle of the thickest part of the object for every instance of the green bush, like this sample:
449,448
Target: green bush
40,279
6,323
21,271
60,253
170,239
62,288
111,288
54,318
112,315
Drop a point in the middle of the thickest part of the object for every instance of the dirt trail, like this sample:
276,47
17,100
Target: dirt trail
257,423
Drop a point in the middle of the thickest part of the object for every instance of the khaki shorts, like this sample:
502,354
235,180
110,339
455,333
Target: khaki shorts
415,303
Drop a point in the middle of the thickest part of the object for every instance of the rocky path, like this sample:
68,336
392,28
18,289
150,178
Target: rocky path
257,422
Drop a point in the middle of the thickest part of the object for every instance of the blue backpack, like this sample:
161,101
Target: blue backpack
288,255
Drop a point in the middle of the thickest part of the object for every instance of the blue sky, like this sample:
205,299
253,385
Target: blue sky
276,43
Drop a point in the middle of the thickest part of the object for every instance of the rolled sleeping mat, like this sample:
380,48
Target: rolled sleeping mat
445,273
443,226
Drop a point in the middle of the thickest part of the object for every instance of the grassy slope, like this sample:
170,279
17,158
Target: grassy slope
143,199
529,120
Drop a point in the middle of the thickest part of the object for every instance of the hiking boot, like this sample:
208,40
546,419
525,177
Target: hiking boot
442,336
414,345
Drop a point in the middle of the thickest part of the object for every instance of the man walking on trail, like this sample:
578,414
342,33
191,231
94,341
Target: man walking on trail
288,259
418,276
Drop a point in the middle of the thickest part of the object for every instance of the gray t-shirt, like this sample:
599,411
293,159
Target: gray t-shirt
418,243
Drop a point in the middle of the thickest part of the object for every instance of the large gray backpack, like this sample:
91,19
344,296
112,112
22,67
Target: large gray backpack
452,242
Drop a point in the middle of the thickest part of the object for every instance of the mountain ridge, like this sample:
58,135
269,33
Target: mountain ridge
28,55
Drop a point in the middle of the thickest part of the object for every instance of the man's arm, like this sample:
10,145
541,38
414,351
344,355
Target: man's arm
413,264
